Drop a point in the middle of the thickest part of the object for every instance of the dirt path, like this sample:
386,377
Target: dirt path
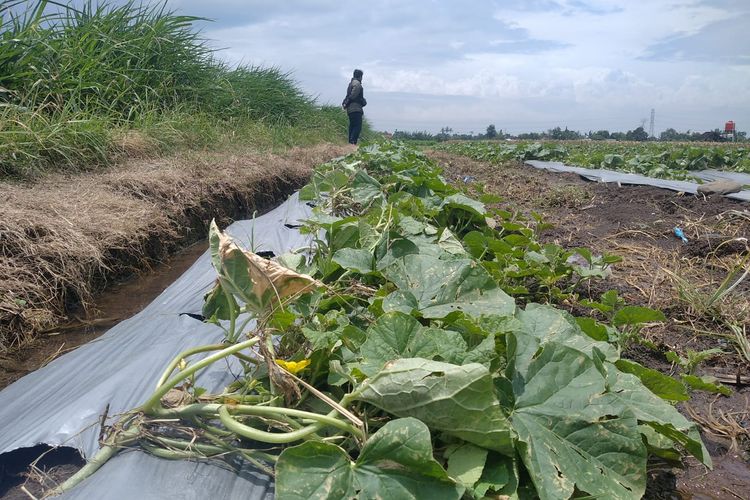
658,270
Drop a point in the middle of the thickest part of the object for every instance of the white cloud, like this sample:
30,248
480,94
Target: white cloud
536,64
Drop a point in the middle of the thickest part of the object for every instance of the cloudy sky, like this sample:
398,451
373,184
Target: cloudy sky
522,65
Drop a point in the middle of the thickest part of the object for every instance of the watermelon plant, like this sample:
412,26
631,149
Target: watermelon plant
413,351
666,161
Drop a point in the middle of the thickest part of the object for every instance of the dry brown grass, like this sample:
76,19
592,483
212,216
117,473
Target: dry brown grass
62,238
687,284
135,144
725,424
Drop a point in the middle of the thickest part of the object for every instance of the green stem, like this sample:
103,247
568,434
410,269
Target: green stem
210,431
188,446
251,456
211,410
260,465
273,410
208,450
173,454
183,355
153,402
246,322
232,337
245,452
247,358
285,437
266,437
100,458
244,398
261,411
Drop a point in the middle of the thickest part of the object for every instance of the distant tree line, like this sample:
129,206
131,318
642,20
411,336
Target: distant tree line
560,134
715,135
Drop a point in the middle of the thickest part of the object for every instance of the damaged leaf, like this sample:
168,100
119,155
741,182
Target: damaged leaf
260,283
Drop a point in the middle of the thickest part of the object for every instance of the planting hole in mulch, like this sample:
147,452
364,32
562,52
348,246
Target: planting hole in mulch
35,470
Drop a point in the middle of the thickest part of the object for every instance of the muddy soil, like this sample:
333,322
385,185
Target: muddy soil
658,270
120,301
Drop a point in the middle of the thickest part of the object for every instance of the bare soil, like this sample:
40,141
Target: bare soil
658,270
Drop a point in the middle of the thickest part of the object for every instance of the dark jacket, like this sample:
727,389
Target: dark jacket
355,97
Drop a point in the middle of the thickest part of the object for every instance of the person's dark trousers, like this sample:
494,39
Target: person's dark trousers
355,126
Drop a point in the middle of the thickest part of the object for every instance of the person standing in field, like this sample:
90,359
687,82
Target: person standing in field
353,104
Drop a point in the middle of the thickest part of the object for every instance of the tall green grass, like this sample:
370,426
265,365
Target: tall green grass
73,80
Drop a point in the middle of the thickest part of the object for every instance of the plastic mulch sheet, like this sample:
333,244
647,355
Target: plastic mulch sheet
601,175
61,404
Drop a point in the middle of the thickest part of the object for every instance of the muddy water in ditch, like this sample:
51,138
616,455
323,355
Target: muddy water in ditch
120,301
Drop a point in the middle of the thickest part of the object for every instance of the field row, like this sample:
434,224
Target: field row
666,161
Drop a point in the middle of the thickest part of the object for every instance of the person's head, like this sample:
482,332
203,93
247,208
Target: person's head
358,74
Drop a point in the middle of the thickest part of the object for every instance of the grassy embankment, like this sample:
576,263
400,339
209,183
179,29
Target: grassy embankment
81,90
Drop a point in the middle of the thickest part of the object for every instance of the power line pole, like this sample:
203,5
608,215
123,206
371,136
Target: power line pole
651,126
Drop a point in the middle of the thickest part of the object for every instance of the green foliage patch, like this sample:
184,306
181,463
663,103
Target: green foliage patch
75,79
415,351
666,161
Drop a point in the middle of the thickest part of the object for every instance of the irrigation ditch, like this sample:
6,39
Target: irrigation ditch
65,239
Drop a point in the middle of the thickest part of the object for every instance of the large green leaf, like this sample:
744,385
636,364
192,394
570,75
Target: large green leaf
397,335
565,441
634,315
500,475
660,384
628,393
323,182
540,324
458,400
313,470
445,286
463,202
708,384
395,463
401,301
216,304
450,243
557,380
354,259
482,353
604,458
365,188
409,225
398,248
466,463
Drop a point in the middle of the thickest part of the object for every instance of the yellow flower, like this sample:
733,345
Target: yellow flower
293,367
